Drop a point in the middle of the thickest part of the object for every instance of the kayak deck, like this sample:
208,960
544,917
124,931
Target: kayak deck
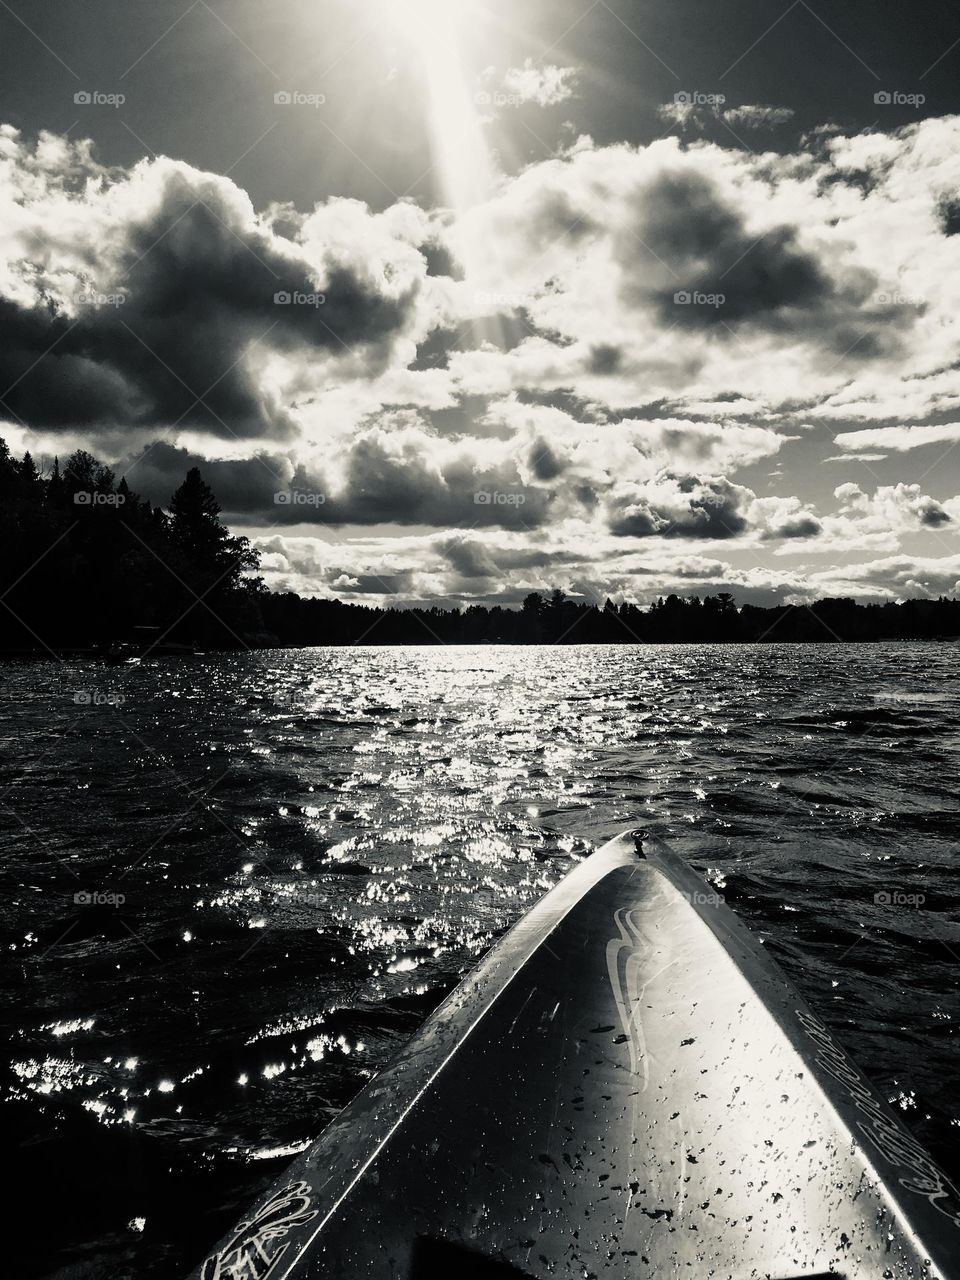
625,1086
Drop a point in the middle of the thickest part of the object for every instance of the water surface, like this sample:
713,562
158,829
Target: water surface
312,847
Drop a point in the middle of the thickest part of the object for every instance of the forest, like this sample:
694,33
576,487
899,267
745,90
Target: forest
87,563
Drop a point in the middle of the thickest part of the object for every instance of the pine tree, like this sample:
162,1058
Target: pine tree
55,489
29,476
196,530
127,501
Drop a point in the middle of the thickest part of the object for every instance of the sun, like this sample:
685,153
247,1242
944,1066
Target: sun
434,28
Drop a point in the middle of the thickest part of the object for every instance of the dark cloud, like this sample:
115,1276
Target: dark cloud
687,223
391,476
368,584
499,329
243,486
863,180
800,526
948,211
545,461
436,350
933,516
440,260
470,559
684,507
605,359
197,280
559,217
537,557
403,478
720,274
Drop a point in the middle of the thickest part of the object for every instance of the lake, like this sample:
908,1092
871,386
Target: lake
233,885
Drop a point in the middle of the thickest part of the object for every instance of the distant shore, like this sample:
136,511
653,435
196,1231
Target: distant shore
92,567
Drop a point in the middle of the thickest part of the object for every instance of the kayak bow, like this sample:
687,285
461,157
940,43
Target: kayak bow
625,1086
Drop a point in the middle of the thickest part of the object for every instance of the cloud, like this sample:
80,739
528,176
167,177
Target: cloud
710,509
150,296
899,439
681,507
535,465
856,457
784,518
544,86
687,113
502,566
893,507
696,271
470,559
729,274
396,470
890,578
243,485
755,116
558,415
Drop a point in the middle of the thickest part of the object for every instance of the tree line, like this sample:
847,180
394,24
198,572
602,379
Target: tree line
557,619
87,563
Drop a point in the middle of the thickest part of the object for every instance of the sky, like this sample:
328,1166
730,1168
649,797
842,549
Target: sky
456,300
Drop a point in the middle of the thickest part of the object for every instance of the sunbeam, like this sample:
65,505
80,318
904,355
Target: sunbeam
461,157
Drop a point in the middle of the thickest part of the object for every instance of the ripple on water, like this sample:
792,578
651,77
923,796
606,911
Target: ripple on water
312,847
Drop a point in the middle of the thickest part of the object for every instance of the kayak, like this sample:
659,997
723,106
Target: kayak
625,1086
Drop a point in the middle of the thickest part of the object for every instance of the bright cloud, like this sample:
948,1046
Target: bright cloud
899,439
544,86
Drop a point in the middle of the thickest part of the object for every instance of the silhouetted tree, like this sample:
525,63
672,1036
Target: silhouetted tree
84,474
196,530
55,488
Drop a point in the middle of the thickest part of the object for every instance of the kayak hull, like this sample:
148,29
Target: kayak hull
626,1085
